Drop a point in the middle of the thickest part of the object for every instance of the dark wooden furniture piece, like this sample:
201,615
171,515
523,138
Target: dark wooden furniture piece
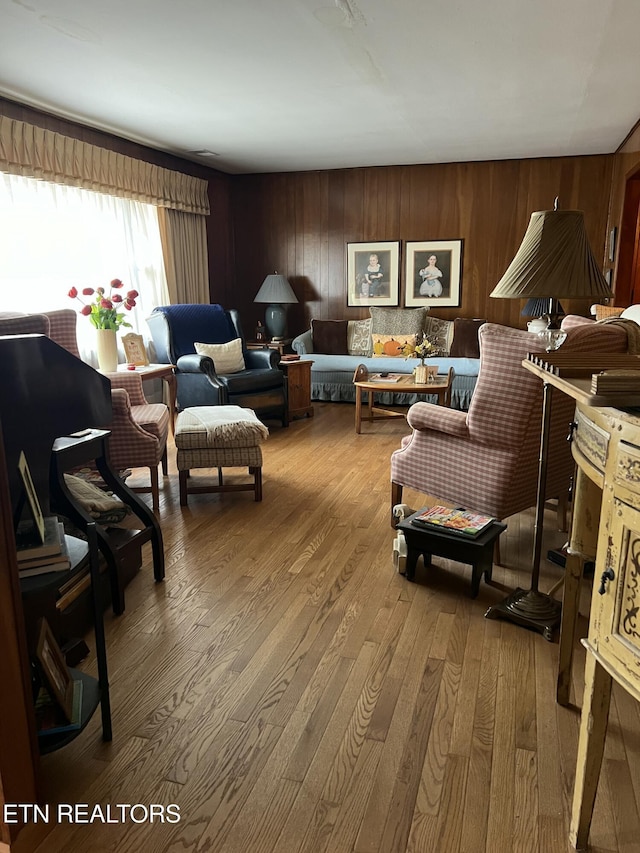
37,594
477,552
116,545
46,395
298,375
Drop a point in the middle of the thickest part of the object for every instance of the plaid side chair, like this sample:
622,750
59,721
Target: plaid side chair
486,459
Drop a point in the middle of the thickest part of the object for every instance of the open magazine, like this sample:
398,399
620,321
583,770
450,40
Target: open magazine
453,520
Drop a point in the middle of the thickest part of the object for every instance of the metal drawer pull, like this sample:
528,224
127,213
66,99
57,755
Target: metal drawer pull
607,575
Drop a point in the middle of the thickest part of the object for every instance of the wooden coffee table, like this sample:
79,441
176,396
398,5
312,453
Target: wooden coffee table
441,388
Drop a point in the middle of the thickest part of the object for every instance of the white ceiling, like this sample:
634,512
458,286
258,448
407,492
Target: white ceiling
289,85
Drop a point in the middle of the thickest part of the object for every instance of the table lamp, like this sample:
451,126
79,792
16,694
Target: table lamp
555,259
277,292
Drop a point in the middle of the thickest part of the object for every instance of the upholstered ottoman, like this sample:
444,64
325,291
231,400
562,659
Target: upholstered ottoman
219,437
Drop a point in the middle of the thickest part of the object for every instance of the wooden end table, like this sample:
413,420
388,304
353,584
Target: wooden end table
440,387
298,378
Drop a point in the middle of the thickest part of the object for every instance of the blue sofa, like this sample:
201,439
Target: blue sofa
332,375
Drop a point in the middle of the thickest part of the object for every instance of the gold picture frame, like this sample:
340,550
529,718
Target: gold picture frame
54,669
134,349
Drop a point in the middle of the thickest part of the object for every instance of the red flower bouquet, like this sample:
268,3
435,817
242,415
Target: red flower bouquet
103,311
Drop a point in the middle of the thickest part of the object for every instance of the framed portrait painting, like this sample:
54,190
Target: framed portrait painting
432,274
373,273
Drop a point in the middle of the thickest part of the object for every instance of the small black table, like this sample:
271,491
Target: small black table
477,552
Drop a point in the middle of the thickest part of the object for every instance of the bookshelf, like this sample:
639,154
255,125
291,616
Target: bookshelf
95,691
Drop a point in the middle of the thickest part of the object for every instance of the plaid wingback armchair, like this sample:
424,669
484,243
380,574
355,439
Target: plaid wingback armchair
138,428
487,458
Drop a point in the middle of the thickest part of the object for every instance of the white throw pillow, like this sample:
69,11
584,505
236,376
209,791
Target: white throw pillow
227,358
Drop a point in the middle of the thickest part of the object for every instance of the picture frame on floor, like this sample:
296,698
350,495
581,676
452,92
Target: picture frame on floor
373,274
54,669
433,272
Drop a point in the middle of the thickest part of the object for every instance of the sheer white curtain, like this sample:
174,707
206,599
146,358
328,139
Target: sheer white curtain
54,237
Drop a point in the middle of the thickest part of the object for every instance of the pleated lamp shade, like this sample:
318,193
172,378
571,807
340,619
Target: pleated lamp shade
538,307
555,260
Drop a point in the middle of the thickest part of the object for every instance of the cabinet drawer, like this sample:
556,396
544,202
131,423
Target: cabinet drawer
591,441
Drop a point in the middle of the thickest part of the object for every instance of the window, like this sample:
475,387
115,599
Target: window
55,237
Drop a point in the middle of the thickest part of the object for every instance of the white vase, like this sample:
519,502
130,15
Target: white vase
107,348
421,374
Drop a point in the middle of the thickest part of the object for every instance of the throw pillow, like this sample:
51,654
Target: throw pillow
397,321
359,337
439,333
393,346
329,336
227,358
465,343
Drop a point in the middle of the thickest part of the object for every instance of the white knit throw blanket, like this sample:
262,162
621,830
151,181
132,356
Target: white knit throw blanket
228,422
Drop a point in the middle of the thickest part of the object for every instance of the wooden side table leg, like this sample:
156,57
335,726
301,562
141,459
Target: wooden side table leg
358,411
593,728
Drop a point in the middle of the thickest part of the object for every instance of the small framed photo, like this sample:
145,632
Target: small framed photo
54,670
432,273
134,350
373,274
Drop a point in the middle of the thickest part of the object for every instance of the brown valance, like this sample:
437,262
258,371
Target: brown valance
37,153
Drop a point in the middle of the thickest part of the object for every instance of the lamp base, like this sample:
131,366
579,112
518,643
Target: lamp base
275,319
530,609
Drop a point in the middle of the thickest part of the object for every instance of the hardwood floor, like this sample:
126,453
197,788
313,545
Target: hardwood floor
290,692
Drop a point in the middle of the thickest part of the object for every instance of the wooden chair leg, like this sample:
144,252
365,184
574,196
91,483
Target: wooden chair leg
165,469
155,493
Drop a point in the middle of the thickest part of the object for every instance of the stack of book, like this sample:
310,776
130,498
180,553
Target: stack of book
615,381
38,558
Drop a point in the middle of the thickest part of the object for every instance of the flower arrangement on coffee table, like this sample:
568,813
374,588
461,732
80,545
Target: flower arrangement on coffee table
421,349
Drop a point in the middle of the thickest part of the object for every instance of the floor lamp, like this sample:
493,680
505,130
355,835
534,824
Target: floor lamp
554,260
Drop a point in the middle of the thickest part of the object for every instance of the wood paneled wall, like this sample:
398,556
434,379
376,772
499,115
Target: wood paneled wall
299,224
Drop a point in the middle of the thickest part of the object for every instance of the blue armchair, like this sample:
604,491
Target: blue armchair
260,386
